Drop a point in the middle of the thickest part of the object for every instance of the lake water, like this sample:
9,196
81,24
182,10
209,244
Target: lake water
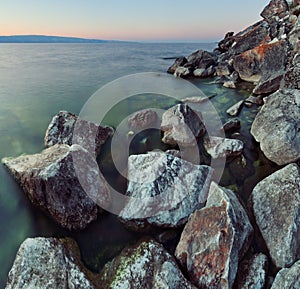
38,80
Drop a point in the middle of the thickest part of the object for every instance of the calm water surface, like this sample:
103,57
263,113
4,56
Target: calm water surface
38,80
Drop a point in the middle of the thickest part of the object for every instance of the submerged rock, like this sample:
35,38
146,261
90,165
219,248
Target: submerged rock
49,263
277,126
182,126
87,134
146,265
214,240
142,119
276,209
179,188
51,182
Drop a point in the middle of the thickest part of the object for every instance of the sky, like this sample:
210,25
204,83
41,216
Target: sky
134,20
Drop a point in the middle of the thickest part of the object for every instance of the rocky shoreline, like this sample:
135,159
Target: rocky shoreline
224,243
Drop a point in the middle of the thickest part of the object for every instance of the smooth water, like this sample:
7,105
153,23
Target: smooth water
38,80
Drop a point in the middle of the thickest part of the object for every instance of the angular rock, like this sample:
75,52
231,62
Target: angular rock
258,100
182,71
235,109
51,182
226,43
146,265
292,77
180,61
218,147
87,134
268,83
204,72
229,84
49,263
232,124
288,278
275,8
224,68
266,58
182,126
164,190
142,119
252,273
214,240
277,126
200,59
276,208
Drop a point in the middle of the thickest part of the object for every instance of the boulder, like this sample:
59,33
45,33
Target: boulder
292,77
87,134
182,126
182,71
164,190
50,181
288,278
235,109
232,125
204,72
267,58
254,99
180,61
200,59
268,83
146,265
252,273
142,119
229,84
279,8
218,147
49,263
277,126
276,209
214,240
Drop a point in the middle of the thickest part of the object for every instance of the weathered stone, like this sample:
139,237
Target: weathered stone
49,263
292,77
182,126
229,84
265,58
179,188
224,68
146,265
182,71
51,182
214,240
275,8
200,59
277,126
276,208
142,119
68,128
195,99
235,109
268,83
232,124
219,147
204,72
252,273
226,43
258,100
288,278
180,61
294,36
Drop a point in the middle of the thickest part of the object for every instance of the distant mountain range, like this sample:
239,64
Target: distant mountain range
49,39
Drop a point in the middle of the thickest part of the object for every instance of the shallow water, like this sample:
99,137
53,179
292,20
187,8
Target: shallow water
37,81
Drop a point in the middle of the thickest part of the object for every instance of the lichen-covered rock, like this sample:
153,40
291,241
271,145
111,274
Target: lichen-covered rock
68,128
146,265
164,190
142,119
235,109
49,263
277,126
182,126
180,61
51,182
219,147
214,240
288,278
276,208
252,273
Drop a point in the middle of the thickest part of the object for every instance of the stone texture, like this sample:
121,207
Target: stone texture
275,8
142,119
268,83
232,125
235,109
229,84
277,126
214,240
50,181
179,188
180,61
49,263
182,126
252,273
288,278
87,134
276,208
146,265
218,147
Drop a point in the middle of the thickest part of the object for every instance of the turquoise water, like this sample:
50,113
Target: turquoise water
37,81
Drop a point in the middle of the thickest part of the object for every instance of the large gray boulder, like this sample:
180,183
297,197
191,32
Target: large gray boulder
214,240
49,263
277,126
288,278
50,180
146,265
276,209
164,190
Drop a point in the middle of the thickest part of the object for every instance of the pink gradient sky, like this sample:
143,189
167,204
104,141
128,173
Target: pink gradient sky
139,20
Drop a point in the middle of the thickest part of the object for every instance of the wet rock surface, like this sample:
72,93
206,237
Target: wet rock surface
50,180
146,265
275,204
49,263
